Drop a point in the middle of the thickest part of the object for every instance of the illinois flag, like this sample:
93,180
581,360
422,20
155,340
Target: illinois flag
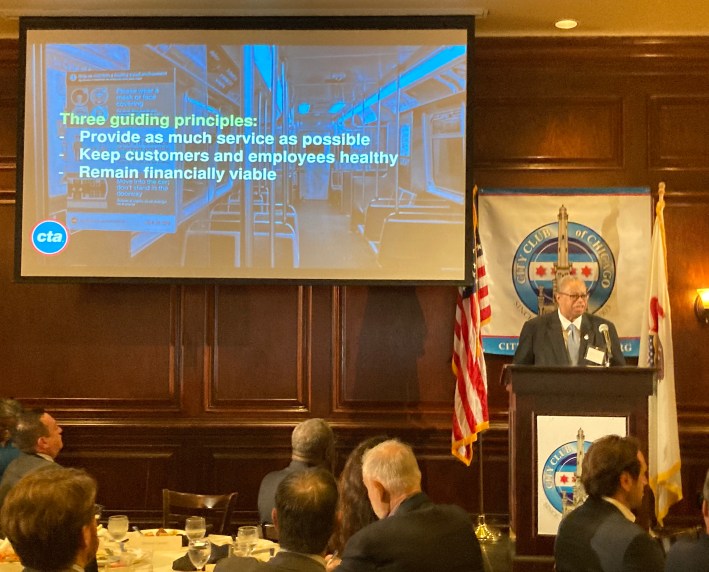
470,414
656,351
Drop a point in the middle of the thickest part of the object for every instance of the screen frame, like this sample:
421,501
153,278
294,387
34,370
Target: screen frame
345,22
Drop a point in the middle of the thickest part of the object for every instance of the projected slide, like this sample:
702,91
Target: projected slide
298,155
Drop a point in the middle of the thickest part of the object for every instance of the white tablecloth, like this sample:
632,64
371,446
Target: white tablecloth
162,556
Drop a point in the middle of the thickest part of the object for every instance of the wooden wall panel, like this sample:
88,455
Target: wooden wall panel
687,226
258,342
679,132
548,133
397,355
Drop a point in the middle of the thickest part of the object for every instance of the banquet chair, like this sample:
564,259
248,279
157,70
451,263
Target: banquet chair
216,509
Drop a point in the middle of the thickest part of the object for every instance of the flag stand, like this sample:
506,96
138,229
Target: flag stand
483,532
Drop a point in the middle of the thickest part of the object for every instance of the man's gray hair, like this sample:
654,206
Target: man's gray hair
566,279
393,464
313,441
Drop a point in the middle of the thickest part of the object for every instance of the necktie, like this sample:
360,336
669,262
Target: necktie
572,342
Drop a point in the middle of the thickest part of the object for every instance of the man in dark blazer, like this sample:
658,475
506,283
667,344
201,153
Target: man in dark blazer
692,555
545,340
304,516
601,535
312,445
39,438
412,534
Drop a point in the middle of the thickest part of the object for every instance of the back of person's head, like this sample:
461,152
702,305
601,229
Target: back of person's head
305,510
605,461
9,410
393,464
29,429
44,514
313,442
355,510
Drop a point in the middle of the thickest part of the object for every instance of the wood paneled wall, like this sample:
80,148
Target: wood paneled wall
198,387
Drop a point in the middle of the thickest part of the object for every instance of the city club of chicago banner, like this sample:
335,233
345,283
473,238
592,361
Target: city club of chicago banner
605,240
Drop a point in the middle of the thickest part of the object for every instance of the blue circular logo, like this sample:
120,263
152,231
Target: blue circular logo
590,259
559,473
49,237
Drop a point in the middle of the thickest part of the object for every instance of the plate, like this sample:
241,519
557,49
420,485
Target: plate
162,532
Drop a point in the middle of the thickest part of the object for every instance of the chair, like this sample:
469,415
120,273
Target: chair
216,509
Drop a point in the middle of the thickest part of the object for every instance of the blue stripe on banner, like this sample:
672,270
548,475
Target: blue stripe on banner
506,346
628,191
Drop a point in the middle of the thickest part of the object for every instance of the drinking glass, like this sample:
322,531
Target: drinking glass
199,551
117,526
195,527
246,539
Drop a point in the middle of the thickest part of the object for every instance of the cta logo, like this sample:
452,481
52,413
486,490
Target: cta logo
49,237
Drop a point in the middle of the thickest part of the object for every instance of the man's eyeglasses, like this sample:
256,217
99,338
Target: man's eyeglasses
575,297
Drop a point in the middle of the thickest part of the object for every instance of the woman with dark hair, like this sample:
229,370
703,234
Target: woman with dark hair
354,510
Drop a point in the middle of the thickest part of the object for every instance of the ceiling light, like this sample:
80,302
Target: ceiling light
566,24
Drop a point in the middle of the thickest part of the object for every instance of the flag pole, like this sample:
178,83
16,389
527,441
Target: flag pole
483,532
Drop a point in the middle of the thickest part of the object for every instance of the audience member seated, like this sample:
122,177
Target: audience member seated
304,516
412,534
9,410
354,510
692,555
39,439
312,445
601,535
48,518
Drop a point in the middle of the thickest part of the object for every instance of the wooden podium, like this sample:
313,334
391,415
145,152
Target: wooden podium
560,391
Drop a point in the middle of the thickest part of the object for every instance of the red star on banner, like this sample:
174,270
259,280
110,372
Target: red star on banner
564,479
572,271
586,271
541,271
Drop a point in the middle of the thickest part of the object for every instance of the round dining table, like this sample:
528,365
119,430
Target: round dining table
154,554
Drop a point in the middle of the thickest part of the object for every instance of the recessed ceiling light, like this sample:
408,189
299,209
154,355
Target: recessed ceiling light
566,24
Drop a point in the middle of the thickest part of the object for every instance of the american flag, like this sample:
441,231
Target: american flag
470,414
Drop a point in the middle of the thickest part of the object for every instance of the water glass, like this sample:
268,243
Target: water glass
195,527
246,539
117,526
199,551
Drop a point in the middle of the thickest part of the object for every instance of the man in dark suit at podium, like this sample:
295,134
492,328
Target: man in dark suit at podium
601,535
569,336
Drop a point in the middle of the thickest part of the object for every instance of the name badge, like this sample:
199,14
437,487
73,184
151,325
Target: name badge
595,355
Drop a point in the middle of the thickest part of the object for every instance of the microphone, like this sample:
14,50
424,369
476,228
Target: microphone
603,328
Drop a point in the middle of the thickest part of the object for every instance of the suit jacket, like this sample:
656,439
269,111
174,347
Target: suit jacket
419,537
541,341
689,555
596,537
282,562
269,484
25,463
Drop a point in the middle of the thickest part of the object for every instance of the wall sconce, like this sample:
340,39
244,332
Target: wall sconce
701,305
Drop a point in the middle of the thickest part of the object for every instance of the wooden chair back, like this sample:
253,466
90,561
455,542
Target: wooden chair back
216,509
